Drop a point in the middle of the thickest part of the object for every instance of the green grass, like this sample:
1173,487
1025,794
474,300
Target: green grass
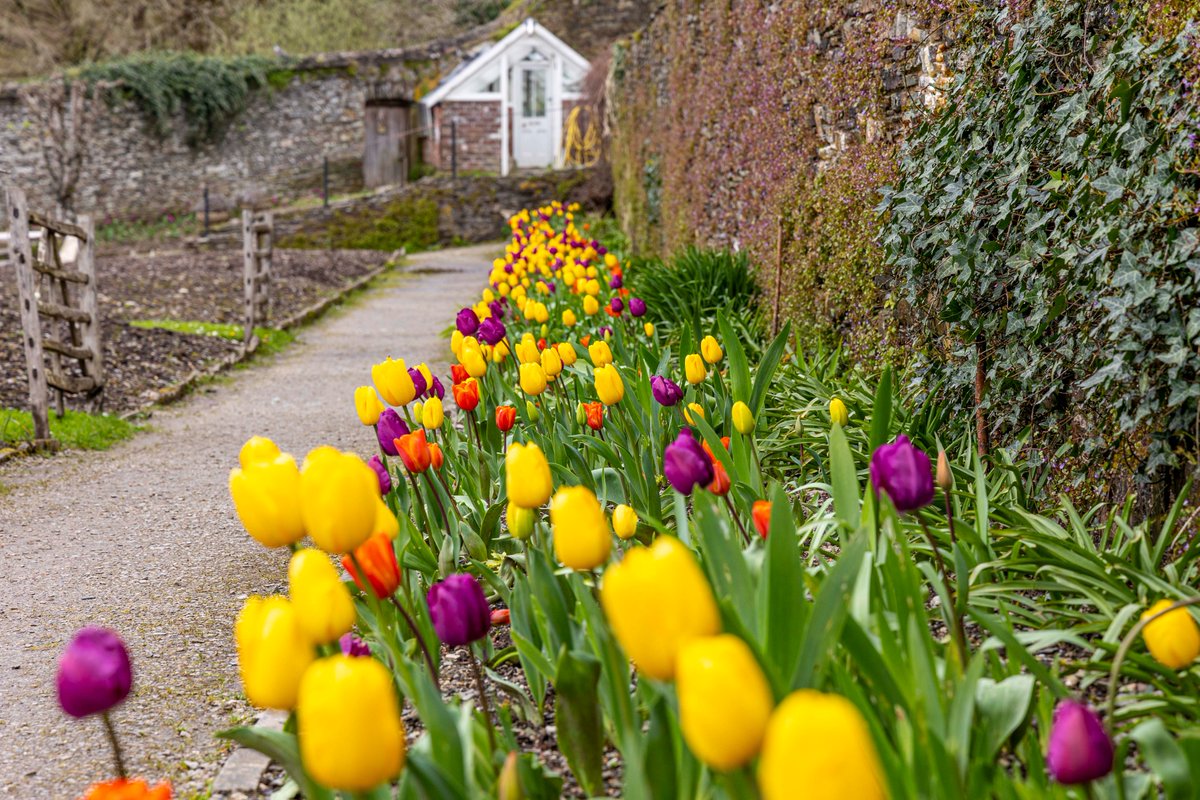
166,227
272,339
77,430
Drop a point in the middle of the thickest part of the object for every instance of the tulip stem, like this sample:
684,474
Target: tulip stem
483,698
1123,650
484,485
417,502
416,632
116,746
442,506
450,494
958,631
733,513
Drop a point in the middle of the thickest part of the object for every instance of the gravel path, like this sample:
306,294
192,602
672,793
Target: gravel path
143,539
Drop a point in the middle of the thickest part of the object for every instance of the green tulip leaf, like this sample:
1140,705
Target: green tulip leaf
843,478
739,366
881,415
766,370
1001,708
1164,755
577,715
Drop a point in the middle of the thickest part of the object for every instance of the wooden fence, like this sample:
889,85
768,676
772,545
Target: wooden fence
258,245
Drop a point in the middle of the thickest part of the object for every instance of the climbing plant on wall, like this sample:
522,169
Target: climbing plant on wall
1045,234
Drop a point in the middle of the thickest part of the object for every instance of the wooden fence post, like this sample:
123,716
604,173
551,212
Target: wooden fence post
258,247
86,264
22,258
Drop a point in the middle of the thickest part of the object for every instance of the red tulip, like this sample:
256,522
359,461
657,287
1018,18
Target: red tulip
414,451
458,374
378,559
506,416
466,394
595,414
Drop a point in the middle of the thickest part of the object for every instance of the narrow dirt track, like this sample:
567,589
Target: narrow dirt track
143,539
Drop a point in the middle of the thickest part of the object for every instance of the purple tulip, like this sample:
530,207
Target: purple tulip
459,610
602,250
1079,750
615,282
389,428
418,381
508,269
617,305
904,473
385,477
491,331
94,673
353,646
665,390
552,287
685,463
604,332
637,306
497,308
436,389
467,322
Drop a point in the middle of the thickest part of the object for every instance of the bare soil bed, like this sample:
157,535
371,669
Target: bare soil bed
173,285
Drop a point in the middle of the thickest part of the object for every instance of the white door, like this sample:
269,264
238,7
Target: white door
533,140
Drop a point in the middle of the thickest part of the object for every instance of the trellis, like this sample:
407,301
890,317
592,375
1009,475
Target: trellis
258,246
56,284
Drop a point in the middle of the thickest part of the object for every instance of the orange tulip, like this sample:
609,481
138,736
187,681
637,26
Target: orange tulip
436,456
506,416
761,512
466,394
127,789
378,559
414,451
721,483
458,374
595,414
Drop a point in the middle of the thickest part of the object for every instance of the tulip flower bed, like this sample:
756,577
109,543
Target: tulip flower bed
747,583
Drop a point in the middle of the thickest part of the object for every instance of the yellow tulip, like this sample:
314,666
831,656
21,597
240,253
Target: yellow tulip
527,351
592,287
609,387
600,353
456,342
822,741
657,600
568,318
520,521
527,475
385,520
625,521
273,651
499,352
417,408
267,498
394,383
610,260
552,365
566,351
693,408
339,494
540,313
423,368
648,328
533,378
710,350
590,305
368,405
743,419
433,413
348,720
724,700
257,449
694,369
582,540
1173,639
471,357
323,605
838,414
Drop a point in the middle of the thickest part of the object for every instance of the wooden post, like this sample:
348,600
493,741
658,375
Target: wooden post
86,263
248,271
22,259
258,247
266,254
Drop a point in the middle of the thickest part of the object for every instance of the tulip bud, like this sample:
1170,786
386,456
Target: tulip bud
338,499
509,785
945,478
568,318
724,700
710,350
1173,639
273,651
657,600
385,477
520,521
257,450
433,414
665,390
323,607
506,417
351,645
590,305
743,419
685,464
348,719
694,369
838,414
600,353
582,540
94,673
580,414
531,410
1078,750
823,740
594,413
761,513
466,394
902,471
417,408
625,521
693,408
458,610
648,329
527,475
566,351
388,429
551,362
609,386
377,557
533,378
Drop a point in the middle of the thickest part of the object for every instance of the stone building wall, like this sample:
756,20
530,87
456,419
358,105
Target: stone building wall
477,137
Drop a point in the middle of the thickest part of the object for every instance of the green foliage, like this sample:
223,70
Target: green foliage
76,429
694,286
167,226
209,92
272,340
410,222
1045,225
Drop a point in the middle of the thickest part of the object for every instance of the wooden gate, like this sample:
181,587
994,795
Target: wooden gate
48,287
385,160
258,246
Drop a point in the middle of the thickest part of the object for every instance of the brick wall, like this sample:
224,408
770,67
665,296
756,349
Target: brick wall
478,135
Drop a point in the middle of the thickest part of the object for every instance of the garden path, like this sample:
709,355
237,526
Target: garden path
143,538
